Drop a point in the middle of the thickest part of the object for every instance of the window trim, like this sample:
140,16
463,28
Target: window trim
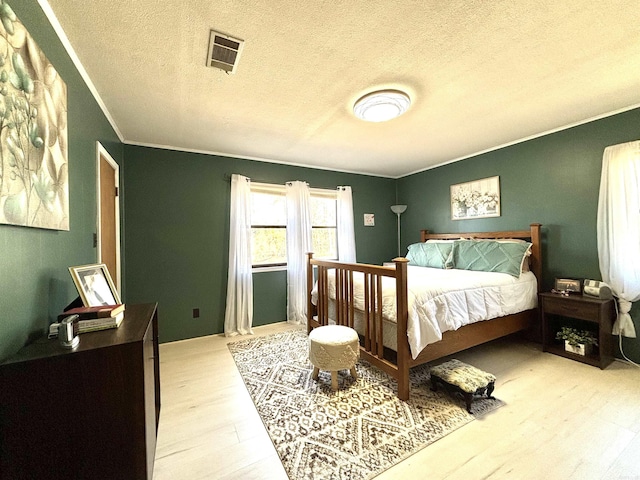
269,268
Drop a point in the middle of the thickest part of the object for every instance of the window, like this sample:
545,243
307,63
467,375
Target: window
324,235
269,224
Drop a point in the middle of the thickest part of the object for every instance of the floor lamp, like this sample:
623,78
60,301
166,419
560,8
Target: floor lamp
398,210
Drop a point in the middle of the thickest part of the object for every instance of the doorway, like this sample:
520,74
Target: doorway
108,235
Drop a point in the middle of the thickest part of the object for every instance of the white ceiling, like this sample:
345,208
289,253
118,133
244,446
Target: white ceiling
481,74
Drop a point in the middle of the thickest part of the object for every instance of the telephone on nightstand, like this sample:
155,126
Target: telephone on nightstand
594,288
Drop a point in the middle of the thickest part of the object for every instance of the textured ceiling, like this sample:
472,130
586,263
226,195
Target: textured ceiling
481,74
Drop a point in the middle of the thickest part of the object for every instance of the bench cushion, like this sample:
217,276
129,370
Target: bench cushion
467,378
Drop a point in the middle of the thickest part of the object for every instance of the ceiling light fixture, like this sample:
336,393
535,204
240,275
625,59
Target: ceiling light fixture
382,105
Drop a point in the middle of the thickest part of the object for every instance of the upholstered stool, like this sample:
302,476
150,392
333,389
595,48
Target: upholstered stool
458,377
334,348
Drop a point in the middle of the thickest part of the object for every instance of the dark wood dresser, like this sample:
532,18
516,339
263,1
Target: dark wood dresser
87,413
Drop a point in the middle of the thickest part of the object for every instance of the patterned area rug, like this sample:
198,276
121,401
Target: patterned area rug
354,433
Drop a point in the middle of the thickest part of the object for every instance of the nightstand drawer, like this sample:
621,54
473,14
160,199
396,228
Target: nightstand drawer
569,308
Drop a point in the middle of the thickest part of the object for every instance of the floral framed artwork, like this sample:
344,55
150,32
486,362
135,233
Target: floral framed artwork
476,199
94,285
34,185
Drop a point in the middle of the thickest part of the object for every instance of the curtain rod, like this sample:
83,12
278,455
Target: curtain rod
227,177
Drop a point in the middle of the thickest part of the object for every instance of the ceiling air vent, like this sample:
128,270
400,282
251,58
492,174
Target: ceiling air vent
224,52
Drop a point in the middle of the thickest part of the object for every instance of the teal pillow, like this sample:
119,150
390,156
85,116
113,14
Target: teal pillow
488,256
429,254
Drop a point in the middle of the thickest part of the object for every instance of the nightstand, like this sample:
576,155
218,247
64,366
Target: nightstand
586,313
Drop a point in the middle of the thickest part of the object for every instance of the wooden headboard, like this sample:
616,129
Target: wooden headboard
532,235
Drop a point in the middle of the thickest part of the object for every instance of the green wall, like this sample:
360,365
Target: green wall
553,180
177,221
177,215
35,284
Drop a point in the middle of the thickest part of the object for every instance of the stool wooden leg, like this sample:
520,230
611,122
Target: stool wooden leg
468,398
434,383
316,371
490,388
354,374
334,380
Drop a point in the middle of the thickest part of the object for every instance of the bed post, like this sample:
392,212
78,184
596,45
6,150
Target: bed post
309,289
536,253
404,353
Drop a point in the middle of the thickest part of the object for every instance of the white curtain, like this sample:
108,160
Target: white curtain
239,310
619,229
298,245
345,229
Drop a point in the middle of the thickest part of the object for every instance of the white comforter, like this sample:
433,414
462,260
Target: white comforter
441,300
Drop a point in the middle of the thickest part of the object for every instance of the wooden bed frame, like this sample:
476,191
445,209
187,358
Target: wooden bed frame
371,346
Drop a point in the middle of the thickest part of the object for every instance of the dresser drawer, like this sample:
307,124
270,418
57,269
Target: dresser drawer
569,308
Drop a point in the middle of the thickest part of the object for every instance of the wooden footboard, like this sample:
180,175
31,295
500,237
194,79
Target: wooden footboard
372,348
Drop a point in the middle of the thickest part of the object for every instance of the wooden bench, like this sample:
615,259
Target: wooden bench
458,377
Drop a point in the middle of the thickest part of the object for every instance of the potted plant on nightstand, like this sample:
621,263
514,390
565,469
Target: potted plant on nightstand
580,342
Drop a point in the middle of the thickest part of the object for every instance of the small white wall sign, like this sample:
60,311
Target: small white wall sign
369,220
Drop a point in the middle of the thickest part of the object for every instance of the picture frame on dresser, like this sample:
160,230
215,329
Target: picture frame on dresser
95,285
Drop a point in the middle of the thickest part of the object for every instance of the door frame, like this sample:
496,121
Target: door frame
102,152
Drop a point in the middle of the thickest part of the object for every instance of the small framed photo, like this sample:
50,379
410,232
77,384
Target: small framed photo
568,285
94,285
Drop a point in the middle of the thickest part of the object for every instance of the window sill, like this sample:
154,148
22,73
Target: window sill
277,268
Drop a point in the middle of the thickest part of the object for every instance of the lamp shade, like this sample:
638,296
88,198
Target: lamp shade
398,209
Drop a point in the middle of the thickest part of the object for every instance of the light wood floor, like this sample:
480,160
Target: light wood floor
562,420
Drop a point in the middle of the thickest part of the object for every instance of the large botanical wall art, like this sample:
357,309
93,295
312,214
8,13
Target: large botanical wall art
477,199
34,188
